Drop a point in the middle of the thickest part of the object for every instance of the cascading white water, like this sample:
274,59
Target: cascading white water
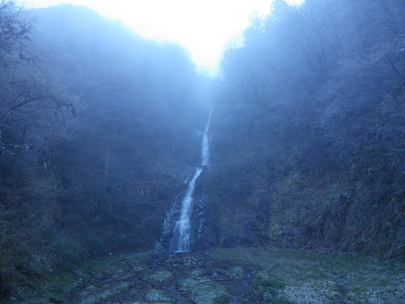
182,227
205,153
181,230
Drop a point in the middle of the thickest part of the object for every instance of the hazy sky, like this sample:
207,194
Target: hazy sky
204,27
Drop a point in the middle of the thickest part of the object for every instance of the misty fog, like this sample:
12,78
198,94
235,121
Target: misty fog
279,180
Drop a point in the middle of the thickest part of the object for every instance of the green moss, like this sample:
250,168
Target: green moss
237,272
160,296
270,290
57,299
222,299
274,232
304,276
204,291
276,276
159,276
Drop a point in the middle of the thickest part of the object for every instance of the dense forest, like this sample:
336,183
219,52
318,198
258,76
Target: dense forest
308,132
100,128
97,126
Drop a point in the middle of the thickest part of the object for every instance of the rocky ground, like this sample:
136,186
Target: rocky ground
237,275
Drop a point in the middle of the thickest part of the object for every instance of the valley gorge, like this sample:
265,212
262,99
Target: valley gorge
127,176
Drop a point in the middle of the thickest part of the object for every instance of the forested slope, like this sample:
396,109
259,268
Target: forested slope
308,132
99,128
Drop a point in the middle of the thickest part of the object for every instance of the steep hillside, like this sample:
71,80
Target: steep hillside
111,123
308,133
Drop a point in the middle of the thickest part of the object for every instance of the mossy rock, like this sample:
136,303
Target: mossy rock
158,296
237,272
262,275
204,291
159,276
270,290
57,299
94,294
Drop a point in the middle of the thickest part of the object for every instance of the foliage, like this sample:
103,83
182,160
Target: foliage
14,32
312,105
134,115
100,180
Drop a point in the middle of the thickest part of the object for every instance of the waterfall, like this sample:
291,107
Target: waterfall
205,153
181,232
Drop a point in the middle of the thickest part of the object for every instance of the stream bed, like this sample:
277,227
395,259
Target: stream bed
221,275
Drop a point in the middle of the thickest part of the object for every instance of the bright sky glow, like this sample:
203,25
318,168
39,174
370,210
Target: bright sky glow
203,27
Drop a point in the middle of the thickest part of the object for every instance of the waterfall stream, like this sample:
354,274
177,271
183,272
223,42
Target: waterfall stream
205,149
181,230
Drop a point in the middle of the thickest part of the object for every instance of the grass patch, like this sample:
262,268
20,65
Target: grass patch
313,277
269,275
104,275
270,290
